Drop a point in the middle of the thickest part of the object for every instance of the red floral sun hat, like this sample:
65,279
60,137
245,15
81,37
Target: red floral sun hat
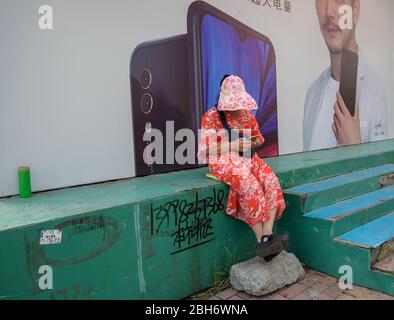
233,96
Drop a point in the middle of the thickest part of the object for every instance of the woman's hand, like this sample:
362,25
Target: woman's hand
241,145
257,143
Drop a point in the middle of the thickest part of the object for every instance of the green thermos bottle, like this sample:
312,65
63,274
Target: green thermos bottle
24,182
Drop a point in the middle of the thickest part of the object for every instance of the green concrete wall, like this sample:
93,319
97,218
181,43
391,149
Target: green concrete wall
165,248
157,237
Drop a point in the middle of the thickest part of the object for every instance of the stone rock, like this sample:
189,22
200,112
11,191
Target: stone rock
258,277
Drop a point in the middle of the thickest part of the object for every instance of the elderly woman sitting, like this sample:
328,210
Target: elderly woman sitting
255,194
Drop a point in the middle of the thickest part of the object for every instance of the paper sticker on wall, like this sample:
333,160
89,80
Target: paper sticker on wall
50,237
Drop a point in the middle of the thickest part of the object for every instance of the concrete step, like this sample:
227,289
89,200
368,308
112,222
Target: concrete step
351,213
372,236
300,168
386,265
325,192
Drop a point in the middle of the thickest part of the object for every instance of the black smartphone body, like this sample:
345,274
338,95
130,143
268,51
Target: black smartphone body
348,84
219,45
159,84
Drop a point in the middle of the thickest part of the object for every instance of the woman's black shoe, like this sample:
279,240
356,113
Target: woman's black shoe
271,245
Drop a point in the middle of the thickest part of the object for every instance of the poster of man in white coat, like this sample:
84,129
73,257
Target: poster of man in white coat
327,120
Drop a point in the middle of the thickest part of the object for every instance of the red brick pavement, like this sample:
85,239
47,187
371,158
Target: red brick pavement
315,286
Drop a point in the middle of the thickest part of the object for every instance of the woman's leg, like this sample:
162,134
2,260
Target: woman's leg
272,190
265,228
246,198
271,245
258,231
269,224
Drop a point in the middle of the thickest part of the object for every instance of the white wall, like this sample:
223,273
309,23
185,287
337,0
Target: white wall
64,94
376,41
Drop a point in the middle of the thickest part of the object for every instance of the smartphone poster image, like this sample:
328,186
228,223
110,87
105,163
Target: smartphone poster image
220,45
159,84
348,84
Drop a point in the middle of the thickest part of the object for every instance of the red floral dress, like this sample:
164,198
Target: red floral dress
254,187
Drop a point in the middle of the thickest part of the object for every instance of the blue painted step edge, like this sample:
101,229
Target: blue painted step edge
348,178
349,206
371,235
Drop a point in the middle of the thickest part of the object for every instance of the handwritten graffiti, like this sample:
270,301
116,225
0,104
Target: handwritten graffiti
189,222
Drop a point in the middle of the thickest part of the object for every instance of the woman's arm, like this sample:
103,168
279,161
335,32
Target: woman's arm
257,143
260,140
240,145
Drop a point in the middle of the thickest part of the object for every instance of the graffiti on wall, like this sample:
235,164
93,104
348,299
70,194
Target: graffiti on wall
189,221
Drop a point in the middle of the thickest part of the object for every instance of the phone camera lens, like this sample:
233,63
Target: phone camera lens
146,103
145,79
